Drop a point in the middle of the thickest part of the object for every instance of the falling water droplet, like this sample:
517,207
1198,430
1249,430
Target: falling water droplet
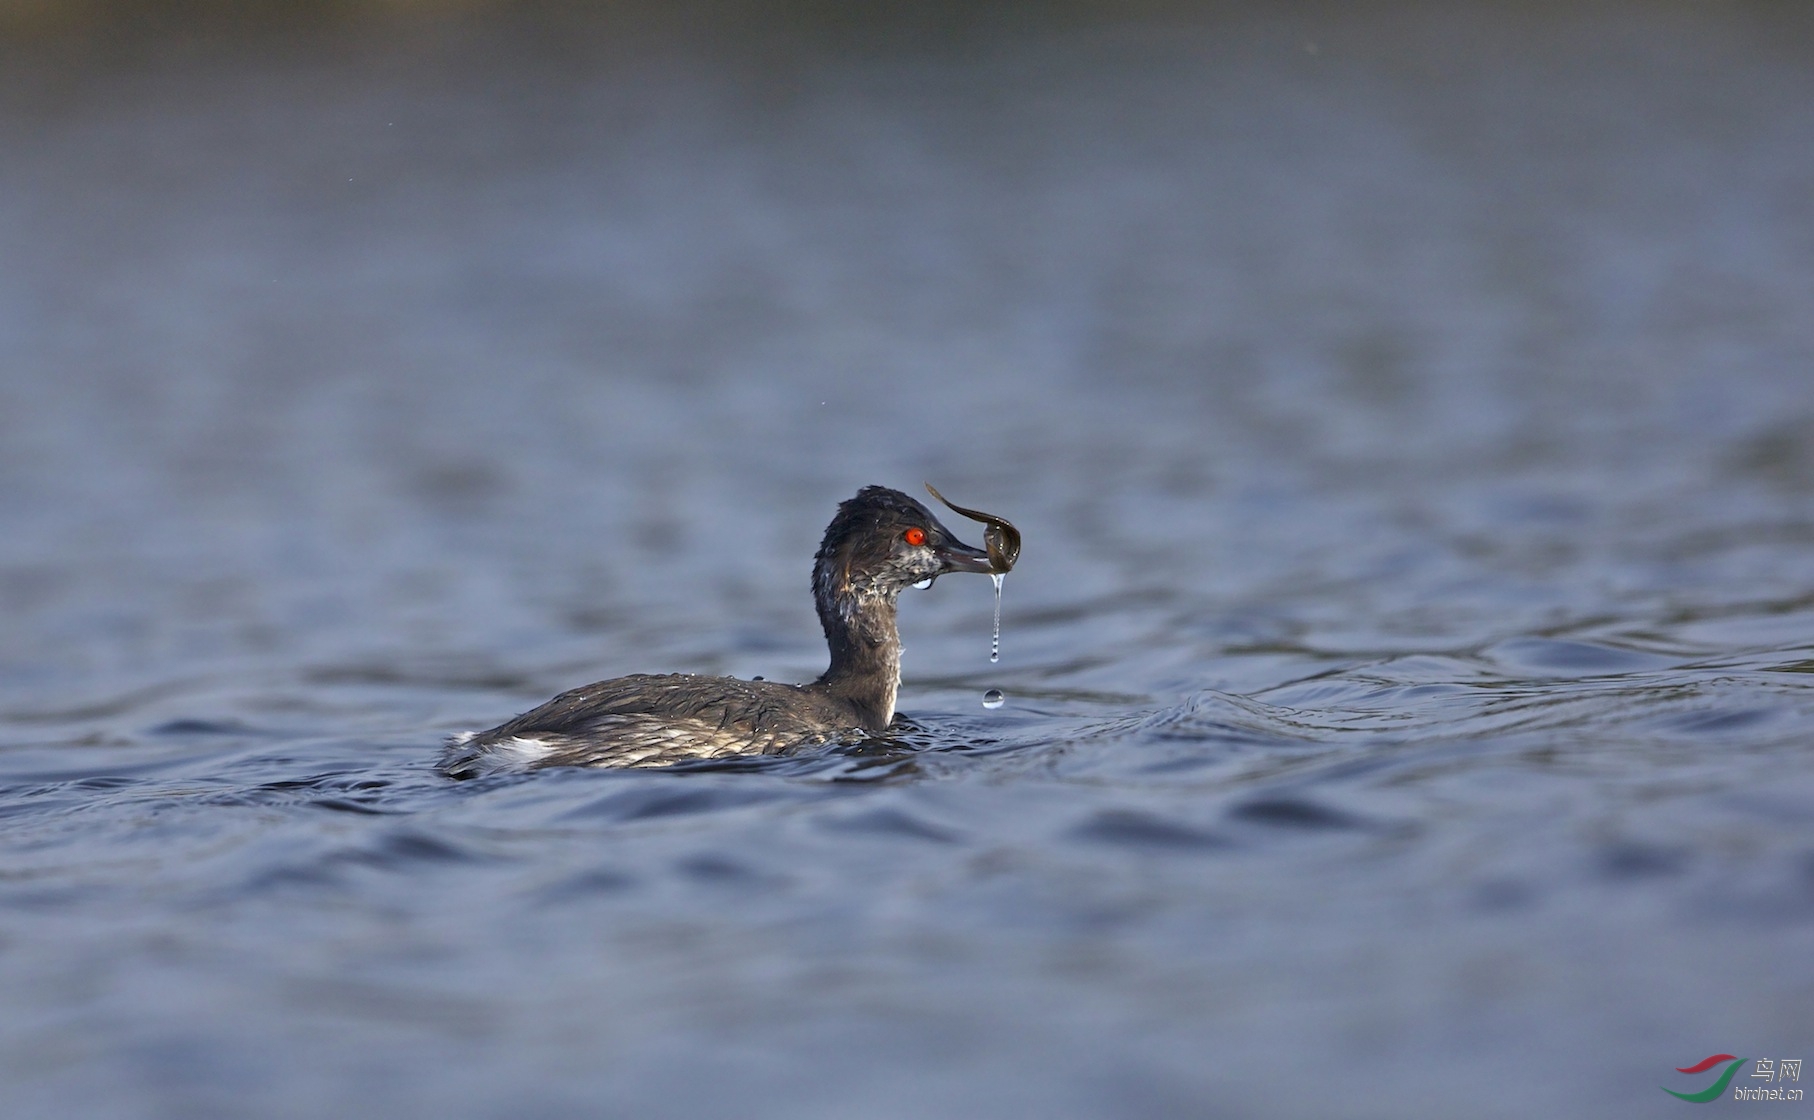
995,635
993,698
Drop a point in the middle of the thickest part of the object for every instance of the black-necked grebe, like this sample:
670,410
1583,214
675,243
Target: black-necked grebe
880,543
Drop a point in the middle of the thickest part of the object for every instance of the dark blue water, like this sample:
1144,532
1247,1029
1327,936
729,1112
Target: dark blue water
1410,415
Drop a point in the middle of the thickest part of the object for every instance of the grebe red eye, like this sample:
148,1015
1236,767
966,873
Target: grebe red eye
915,536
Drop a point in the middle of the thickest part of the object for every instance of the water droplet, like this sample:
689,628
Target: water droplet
993,698
923,584
995,635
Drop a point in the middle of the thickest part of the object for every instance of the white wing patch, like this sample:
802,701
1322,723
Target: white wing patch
522,752
510,756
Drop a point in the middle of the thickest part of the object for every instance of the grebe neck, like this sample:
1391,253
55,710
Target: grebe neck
865,648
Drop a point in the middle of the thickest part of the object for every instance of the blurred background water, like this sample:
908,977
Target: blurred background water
1409,409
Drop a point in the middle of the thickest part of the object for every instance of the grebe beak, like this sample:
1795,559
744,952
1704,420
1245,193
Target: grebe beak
956,556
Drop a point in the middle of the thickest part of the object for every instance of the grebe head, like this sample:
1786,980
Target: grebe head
882,541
